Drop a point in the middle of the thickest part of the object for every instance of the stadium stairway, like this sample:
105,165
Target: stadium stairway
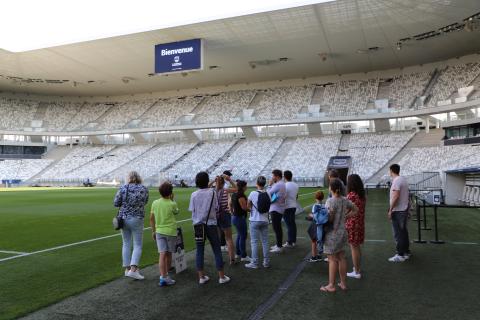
420,139
107,175
41,111
282,152
225,156
68,126
181,158
56,154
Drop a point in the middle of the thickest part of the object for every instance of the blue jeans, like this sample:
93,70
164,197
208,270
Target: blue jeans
289,218
211,234
319,238
240,224
132,229
259,233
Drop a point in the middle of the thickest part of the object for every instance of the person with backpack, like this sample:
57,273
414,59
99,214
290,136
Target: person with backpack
259,206
277,192
319,217
239,206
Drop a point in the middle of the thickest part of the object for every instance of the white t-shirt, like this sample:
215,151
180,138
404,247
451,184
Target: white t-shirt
254,214
291,198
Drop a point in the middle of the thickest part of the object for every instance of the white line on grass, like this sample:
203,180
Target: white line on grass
11,252
306,194
472,243
26,254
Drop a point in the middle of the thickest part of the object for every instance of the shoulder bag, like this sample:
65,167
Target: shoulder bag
199,230
118,221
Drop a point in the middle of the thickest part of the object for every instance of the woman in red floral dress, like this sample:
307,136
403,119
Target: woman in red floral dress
355,225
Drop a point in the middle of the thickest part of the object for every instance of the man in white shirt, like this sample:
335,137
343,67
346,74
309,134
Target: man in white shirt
398,213
290,209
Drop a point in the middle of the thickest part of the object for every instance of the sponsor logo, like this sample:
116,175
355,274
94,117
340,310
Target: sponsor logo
176,62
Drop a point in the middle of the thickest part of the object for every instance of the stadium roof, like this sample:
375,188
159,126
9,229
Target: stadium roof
339,37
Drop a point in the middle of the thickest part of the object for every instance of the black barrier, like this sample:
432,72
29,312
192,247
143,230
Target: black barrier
423,204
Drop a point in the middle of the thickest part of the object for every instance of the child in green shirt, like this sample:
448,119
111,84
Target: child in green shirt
164,229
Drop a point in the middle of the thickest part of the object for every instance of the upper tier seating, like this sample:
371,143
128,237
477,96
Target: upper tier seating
223,107
166,112
282,103
16,114
453,78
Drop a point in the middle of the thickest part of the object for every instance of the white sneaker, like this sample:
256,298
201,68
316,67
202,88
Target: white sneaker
224,248
224,280
237,257
266,265
407,256
251,265
135,275
126,272
354,274
203,280
274,246
246,259
276,250
397,258
288,245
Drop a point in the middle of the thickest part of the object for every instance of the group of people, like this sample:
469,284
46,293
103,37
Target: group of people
221,202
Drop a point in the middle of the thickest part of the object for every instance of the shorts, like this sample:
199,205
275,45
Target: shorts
225,221
165,243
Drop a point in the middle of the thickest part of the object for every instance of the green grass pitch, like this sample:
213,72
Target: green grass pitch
439,280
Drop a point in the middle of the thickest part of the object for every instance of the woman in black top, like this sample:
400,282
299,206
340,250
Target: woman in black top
238,205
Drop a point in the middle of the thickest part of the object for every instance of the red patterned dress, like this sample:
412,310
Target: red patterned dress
356,225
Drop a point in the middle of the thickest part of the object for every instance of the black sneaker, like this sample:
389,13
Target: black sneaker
314,259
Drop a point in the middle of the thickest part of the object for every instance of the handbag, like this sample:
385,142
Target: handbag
118,221
199,230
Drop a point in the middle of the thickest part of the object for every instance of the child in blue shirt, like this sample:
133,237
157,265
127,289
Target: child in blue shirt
319,216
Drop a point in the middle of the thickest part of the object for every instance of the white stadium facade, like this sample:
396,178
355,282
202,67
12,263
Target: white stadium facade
377,81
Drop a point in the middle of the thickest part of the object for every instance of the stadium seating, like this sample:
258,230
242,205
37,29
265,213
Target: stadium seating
89,113
153,161
16,114
453,78
249,158
121,114
77,157
22,169
282,103
166,112
107,163
200,158
371,151
406,87
59,114
223,107
307,157
440,158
